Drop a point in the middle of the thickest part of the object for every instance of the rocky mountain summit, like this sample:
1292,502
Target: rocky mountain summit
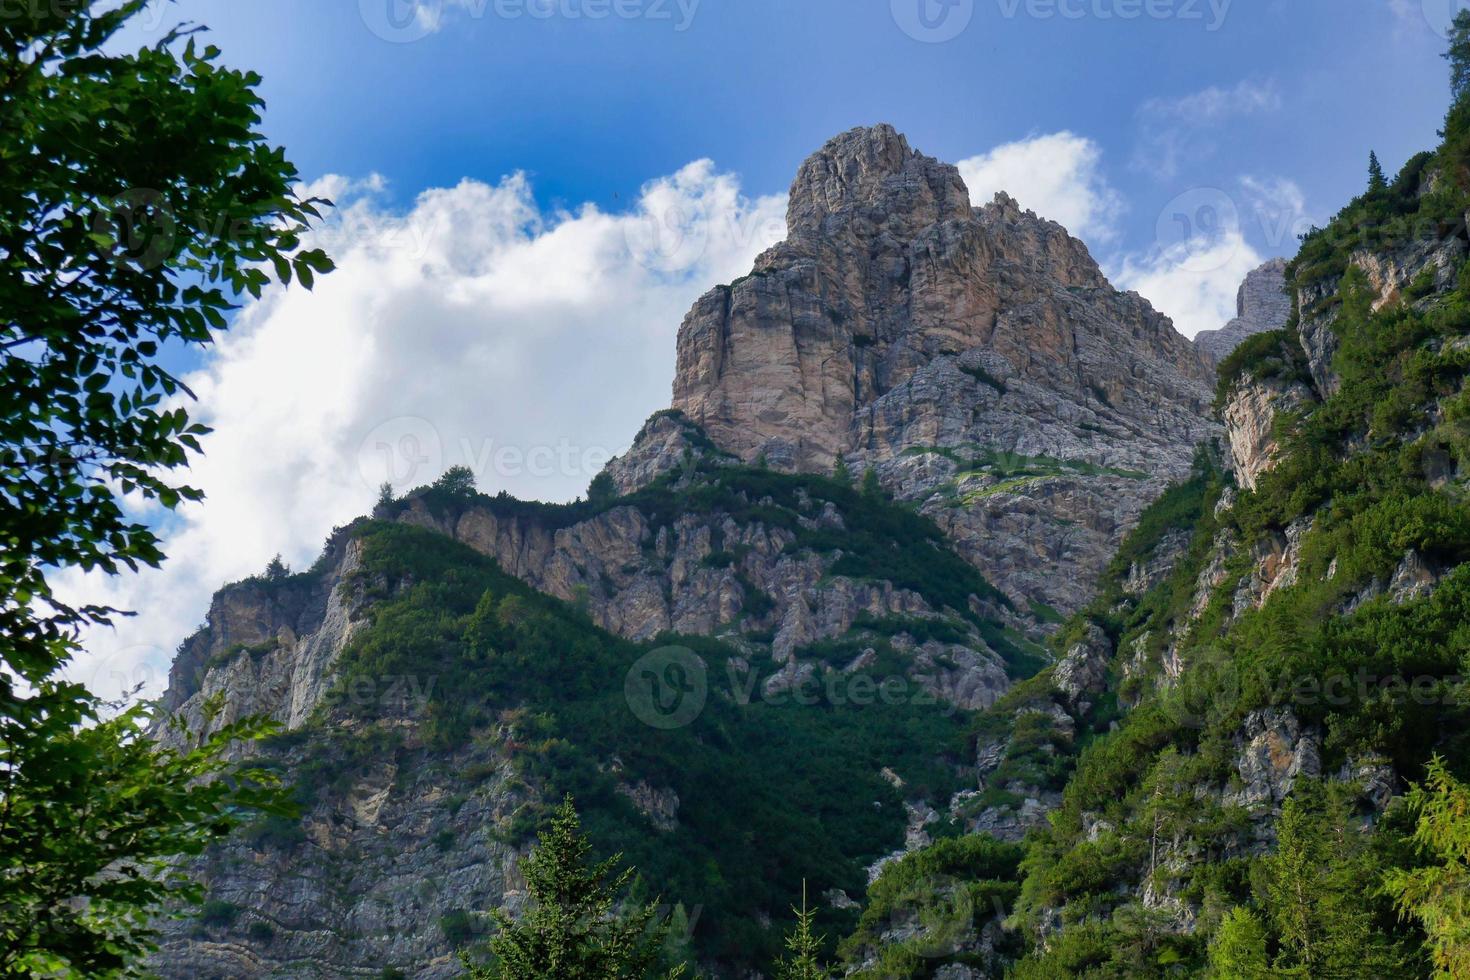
976,358
1017,414
1263,304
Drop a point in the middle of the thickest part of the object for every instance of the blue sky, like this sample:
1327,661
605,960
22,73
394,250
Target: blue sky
529,204
593,108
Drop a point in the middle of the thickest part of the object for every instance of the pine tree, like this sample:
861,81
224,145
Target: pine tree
871,486
842,474
572,928
1376,181
1315,892
1294,884
1459,55
385,494
1439,895
1239,949
805,948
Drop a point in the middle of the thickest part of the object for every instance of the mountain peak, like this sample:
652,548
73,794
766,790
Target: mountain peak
1261,305
873,168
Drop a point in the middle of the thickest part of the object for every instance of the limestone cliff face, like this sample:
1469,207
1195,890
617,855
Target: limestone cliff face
1431,263
976,358
888,270
1262,305
1251,412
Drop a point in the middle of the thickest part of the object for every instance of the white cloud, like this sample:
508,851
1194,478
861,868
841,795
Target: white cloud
476,329
1175,132
1194,282
1278,208
1058,176
479,328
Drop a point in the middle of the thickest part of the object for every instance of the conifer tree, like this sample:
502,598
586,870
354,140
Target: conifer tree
841,473
573,928
1439,895
1239,949
1315,893
871,486
1459,55
805,947
1376,181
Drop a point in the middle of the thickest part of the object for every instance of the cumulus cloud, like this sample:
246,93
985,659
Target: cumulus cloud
1059,176
476,328
1194,282
1174,132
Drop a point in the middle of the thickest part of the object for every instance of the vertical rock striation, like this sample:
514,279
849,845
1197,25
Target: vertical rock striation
976,358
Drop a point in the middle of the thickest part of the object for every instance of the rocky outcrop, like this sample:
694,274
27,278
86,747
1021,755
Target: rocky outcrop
1416,271
1083,672
902,329
268,648
379,874
703,574
1275,563
1274,751
1392,274
1262,305
1252,409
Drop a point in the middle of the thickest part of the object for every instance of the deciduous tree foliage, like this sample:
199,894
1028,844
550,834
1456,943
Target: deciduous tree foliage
137,201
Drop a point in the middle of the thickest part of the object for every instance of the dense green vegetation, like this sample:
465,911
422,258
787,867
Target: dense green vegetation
765,788
955,887
1370,479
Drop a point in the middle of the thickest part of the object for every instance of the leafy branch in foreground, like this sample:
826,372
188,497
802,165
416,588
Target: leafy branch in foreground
138,202
93,824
